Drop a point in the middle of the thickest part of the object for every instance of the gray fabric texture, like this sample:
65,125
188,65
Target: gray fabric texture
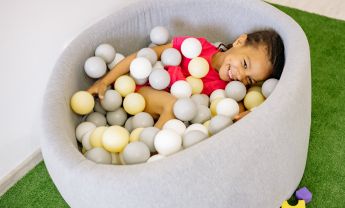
257,162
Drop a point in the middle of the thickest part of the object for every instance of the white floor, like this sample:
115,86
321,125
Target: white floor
330,8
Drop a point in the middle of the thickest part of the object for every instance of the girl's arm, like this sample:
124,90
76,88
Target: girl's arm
100,86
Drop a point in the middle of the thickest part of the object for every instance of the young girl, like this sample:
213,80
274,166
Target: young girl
251,58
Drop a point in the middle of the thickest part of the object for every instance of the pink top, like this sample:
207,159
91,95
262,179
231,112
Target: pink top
211,81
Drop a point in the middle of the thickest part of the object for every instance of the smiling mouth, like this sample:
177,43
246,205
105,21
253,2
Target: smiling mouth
230,73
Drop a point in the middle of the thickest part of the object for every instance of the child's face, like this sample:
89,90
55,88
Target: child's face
247,64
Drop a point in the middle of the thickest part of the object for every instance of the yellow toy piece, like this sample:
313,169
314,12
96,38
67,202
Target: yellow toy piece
300,204
213,106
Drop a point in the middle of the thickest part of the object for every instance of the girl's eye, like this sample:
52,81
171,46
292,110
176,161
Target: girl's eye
244,64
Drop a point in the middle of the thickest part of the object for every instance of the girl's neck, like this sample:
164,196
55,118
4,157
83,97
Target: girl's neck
217,60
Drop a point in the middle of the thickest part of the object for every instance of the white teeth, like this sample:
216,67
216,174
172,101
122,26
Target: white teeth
230,74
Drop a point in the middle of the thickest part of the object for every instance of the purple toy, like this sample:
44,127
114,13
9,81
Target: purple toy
304,194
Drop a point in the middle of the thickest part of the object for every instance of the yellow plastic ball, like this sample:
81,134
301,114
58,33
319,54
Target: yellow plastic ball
134,136
196,84
82,102
254,88
124,85
253,99
115,138
134,103
198,67
213,106
96,136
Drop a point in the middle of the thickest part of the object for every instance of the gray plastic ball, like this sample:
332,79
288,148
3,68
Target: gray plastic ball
159,79
112,100
106,52
218,123
117,117
142,119
148,53
159,35
97,118
203,114
268,86
201,99
98,155
129,124
136,152
185,109
98,107
85,140
193,137
148,137
171,57
83,128
235,90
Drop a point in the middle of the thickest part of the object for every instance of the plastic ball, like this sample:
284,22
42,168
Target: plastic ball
228,107
117,117
115,138
124,85
219,123
151,45
167,142
115,159
219,93
112,100
175,125
255,88
141,81
158,65
159,79
201,99
203,114
97,118
196,84
142,119
148,137
171,57
235,90
198,67
268,86
83,128
98,155
106,52
148,53
134,103
118,58
197,127
191,48
213,106
181,89
134,136
98,107
136,152
129,124
140,68
95,67
185,109
193,137
159,35
85,141
253,99
96,136
82,102
155,158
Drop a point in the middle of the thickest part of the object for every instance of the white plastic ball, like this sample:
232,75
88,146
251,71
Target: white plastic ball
136,152
95,67
175,125
171,57
167,142
193,137
268,86
112,100
197,127
203,114
141,81
219,93
191,48
97,118
159,79
117,117
219,123
148,53
85,140
181,89
140,68
118,58
148,137
142,119
201,99
198,67
228,107
185,109
83,128
106,52
159,35
99,155
235,90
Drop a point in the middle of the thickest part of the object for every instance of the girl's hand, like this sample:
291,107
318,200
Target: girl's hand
241,115
98,88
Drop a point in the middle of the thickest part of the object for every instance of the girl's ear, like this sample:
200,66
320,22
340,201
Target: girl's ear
240,41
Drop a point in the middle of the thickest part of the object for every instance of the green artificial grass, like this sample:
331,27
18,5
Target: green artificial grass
325,170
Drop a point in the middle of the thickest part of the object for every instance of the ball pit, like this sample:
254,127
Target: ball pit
236,164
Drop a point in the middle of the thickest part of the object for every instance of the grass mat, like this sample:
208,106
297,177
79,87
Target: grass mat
325,171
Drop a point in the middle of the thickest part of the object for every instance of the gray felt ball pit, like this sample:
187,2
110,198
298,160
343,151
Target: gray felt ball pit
257,162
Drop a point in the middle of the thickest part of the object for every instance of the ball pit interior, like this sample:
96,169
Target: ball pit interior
256,162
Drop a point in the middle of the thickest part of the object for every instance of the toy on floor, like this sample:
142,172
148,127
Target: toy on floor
300,204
